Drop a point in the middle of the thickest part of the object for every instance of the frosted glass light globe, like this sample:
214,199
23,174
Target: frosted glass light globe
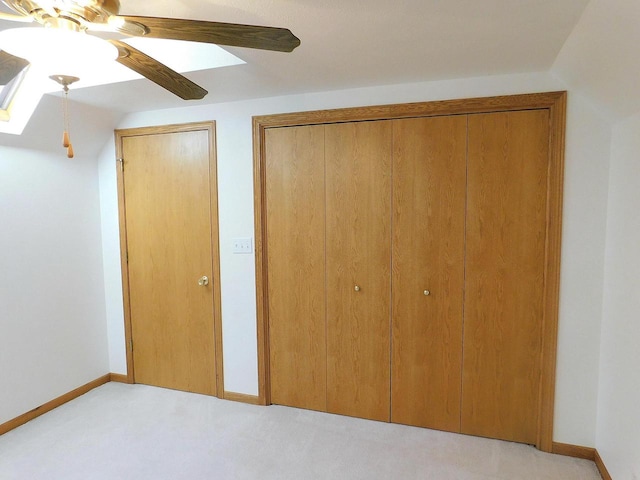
56,51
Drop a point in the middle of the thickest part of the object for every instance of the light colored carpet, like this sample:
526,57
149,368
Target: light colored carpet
136,432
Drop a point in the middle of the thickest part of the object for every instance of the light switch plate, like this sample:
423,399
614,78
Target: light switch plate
243,245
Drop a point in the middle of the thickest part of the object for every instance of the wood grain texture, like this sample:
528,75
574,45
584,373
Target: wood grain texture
508,165
555,102
169,231
575,451
358,183
557,117
602,468
124,266
410,110
10,66
242,398
158,73
118,378
429,194
210,128
215,285
232,34
295,246
55,403
262,295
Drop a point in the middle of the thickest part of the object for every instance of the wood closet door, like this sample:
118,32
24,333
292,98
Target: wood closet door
506,231
429,192
358,185
167,193
296,265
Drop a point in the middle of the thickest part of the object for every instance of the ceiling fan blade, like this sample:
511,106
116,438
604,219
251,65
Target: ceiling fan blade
231,34
157,72
10,66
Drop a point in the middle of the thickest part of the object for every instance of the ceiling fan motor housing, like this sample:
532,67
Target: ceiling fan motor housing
79,12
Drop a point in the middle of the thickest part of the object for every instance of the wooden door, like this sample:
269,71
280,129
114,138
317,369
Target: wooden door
429,192
508,166
295,207
358,230
170,238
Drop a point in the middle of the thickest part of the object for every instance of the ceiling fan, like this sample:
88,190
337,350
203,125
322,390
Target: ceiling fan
82,16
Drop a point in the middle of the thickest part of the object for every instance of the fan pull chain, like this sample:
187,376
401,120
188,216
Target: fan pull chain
66,142
65,81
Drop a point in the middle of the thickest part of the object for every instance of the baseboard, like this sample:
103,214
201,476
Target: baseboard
47,407
587,453
242,397
601,467
565,449
576,451
119,378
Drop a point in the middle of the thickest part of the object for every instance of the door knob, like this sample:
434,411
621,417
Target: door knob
426,293
204,281
357,288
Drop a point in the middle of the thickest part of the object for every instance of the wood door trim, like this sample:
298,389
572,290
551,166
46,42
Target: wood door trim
210,128
262,289
557,119
555,102
528,101
242,398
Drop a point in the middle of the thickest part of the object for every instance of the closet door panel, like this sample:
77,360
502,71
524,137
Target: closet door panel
296,265
429,191
358,182
506,231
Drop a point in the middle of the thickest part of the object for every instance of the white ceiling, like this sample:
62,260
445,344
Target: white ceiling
347,44
601,59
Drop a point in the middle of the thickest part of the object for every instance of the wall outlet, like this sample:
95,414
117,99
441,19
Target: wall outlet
243,245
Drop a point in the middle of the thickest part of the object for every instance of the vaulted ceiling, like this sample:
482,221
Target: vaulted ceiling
591,45
358,43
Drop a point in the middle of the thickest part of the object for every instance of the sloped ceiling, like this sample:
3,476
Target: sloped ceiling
601,58
357,43
593,46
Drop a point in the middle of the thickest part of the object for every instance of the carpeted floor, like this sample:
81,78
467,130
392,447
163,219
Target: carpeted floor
135,432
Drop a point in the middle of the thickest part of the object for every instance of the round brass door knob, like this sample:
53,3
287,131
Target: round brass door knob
204,281
357,288
426,293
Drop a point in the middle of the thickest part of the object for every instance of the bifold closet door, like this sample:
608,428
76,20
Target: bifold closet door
358,200
429,190
508,164
295,206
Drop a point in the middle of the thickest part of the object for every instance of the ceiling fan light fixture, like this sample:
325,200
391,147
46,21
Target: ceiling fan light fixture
57,51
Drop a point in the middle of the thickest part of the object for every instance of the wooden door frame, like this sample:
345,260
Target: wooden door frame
555,102
210,128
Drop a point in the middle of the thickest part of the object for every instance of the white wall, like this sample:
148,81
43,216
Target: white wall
585,209
583,245
600,58
618,438
52,322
